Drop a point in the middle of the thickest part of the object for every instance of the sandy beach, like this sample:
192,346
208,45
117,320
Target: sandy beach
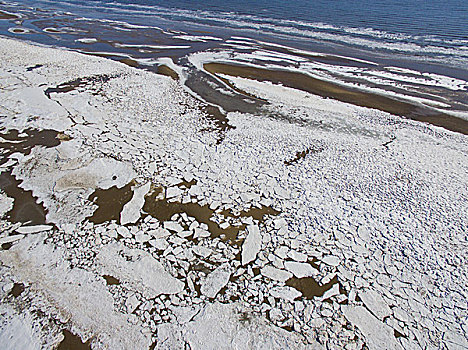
134,215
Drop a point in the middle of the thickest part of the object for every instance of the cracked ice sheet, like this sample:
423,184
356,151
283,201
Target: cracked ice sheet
137,267
63,179
221,326
16,330
378,334
76,295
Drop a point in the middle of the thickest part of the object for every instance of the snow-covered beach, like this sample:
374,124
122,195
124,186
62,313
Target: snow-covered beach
337,227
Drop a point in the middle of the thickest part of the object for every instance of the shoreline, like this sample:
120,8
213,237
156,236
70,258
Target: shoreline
339,229
341,93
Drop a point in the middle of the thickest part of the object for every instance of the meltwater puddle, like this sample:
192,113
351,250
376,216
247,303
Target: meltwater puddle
26,208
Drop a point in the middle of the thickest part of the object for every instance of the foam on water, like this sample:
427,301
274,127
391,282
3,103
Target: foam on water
448,39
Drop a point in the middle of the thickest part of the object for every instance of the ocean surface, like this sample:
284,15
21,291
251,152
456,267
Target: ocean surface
432,29
417,48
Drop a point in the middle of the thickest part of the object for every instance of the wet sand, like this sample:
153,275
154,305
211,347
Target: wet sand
356,97
25,208
6,15
163,210
165,70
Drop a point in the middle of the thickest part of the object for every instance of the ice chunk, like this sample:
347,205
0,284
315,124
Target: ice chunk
131,211
378,334
287,293
33,229
375,303
173,226
299,269
276,274
252,244
331,260
216,280
138,268
228,326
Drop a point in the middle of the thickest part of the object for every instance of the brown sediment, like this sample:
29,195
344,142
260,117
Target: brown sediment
6,15
258,213
11,141
77,83
163,210
72,342
110,203
349,95
165,70
215,114
63,137
303,154
309,287
187,184
29,69
25,206
129,62
110,280
200,268
6,246
17,289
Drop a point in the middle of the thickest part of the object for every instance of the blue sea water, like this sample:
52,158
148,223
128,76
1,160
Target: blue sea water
444,19
433,29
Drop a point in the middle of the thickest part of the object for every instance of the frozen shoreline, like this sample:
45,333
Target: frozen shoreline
377,204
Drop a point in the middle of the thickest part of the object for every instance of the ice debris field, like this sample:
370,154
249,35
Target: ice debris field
131,220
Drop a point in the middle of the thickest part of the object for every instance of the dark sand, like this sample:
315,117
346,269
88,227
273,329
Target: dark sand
6,15
344,94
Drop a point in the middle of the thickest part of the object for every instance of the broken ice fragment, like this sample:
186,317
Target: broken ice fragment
375,303
252,244
300,270
276,274
33,229
331,260
173,226
216,280
287,293
131,211
378,334
138,268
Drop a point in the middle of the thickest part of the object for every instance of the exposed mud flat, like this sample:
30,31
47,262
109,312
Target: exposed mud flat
329,90
340,226
7,15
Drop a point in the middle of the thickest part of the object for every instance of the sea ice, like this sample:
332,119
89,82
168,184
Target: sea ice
251,245
138,268
216,280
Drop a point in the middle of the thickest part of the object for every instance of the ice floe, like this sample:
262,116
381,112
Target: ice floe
226,242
